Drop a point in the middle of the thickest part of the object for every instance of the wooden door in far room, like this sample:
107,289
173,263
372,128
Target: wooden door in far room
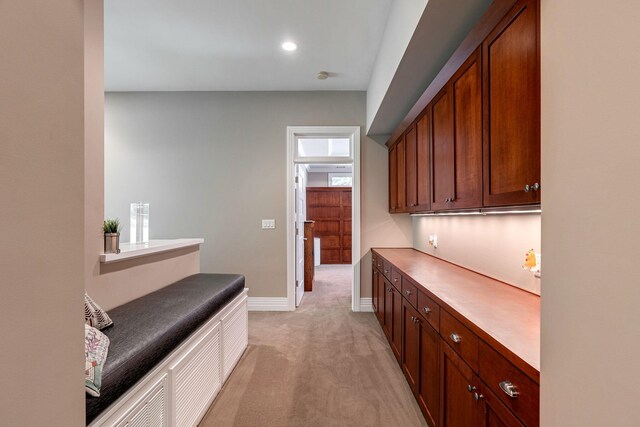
301,208
330,208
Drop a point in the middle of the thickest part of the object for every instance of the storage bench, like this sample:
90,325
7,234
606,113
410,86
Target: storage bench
170,352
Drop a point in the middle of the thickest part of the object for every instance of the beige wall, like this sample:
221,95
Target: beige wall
213,164
42,202
114,284
492,245
590,225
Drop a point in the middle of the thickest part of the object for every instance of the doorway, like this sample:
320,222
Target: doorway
331,154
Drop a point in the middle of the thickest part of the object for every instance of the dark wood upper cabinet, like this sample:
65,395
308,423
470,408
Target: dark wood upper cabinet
466,85
442,151
456,141
400,176
511,58
411,167
423,186
393,179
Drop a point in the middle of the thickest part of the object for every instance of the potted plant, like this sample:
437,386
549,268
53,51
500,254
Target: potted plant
111,230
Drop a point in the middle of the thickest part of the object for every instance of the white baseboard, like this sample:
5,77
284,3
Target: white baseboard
268,304
366,305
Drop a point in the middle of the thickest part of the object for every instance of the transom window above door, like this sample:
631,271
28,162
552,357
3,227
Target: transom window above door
323,147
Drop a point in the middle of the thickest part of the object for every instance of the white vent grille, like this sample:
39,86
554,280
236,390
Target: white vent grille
197,380
234,337
150,412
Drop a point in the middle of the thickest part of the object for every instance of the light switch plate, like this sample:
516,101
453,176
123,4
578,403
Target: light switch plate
268,224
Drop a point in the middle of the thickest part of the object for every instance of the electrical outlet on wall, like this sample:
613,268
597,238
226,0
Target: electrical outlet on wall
433,240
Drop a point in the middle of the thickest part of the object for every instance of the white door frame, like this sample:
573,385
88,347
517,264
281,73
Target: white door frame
353,133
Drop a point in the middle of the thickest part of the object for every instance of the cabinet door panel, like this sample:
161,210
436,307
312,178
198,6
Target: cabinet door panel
401,179
388,310
442,153
494,413
512,108
393,179
396,328
467,99
429,386
411,164
410,345
457,405
423,166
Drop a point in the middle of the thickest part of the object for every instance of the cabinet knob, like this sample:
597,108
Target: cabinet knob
509,389
395,279
446,200
389,289
471,388
426,309
386,271
455,338
477,396
527,188
535,187
416,320
408,292
452,199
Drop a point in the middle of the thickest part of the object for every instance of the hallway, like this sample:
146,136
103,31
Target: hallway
321,365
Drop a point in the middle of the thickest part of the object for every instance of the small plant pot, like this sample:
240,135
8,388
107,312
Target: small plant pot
111,243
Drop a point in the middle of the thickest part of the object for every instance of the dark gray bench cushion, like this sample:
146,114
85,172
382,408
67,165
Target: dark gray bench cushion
147,329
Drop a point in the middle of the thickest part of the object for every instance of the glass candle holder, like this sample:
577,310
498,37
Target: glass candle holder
139,217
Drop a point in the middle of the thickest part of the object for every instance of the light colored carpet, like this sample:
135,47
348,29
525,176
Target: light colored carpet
321,365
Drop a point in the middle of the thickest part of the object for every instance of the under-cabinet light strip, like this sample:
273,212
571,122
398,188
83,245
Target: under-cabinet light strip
514,212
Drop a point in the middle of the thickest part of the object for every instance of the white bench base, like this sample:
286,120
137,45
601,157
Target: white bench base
180,389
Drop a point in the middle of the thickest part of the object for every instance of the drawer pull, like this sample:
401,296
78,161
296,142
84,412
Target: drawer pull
471,388
408,292
455,338
416,320
477,396
427,310
509,389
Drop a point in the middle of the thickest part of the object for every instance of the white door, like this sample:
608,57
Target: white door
301,216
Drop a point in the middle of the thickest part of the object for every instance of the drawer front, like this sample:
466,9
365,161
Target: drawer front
460,338
410,292
516,390
386,269
396,279
429,310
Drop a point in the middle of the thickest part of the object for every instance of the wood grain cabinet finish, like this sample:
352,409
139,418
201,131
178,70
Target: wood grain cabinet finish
511,57
401,179
411,345
393,179
411,167
456,141
423,163
458,406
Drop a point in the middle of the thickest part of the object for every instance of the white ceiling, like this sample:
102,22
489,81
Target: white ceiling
234,45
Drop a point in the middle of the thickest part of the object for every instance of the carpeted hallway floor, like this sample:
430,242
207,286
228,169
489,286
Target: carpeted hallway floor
321,365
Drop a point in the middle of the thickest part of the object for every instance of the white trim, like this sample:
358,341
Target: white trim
353,133
152,247
366,305
268,304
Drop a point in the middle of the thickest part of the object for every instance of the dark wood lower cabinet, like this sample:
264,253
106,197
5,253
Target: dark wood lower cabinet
450,391
429,387
457,404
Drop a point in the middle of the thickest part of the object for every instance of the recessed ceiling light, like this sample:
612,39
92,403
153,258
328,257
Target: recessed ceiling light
289,46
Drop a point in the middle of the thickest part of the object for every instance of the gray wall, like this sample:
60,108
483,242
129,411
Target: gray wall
213,164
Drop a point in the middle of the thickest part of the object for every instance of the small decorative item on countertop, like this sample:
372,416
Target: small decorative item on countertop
532,262
111,230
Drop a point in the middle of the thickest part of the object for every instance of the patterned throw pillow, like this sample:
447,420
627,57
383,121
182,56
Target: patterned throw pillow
94,315
96,346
